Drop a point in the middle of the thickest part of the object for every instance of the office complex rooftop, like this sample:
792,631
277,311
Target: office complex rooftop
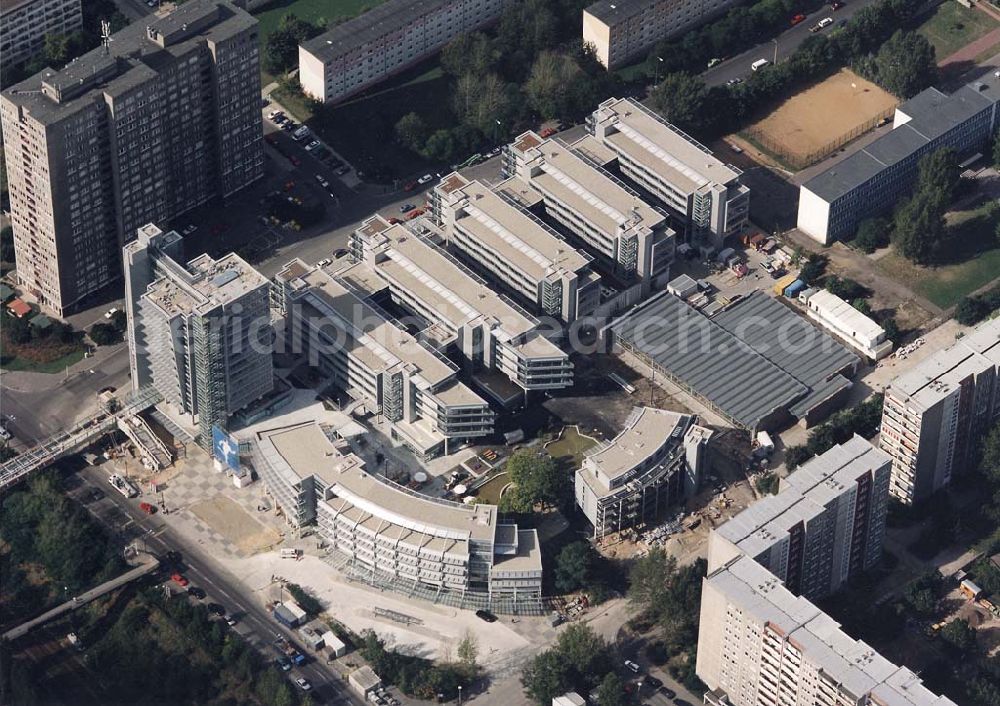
938,376
644,434
205,284
804,495
533,247
662,148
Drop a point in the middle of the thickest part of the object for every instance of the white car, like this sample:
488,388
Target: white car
312,145
632,666
303,684
324,262
322,181
111,312
425,178
189,230
825,22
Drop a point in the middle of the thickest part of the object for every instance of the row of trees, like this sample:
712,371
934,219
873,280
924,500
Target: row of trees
420,677
281,50
902,62
110,333
580,661
919,230
669,597
862,419
41,528
971,310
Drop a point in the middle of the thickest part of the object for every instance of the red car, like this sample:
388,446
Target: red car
410,186
147,508
798,18
294,160
271,139
179,580
394,220
414,213
547,132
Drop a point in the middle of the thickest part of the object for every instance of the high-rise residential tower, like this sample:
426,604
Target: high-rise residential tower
163,118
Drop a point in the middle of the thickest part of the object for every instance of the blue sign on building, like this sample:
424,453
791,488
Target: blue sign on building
225,448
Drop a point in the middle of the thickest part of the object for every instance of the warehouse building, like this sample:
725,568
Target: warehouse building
655,461
370,357
603,215
456,307
756,363
871,181
849,324
934,412
392,535
704,195
621,31
385,40
825,525
494,234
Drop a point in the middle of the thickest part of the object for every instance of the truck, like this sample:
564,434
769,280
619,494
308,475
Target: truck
287,649
291,553
123,486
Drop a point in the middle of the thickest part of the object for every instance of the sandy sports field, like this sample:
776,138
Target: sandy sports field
231,521
816,122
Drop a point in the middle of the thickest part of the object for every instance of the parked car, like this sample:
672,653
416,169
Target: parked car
303,683
147,508
322,181
836,5
734,81
714,62
341,171
669,693
179,580
796,19
632,666
230,621
406,208
486,616
340,252
652,682
216,609
424,179
825,22
409,186
294,160
312,145
198,593
283,663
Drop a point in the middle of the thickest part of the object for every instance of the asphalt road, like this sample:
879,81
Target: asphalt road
786,43
128,523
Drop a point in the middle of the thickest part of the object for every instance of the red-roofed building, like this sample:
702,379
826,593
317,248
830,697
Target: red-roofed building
19,308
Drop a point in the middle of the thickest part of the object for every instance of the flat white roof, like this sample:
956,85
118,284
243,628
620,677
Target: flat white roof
674,156
850,318
646,431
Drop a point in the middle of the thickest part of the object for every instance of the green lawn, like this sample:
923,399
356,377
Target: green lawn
310,11
952,26
489,492
974,256
570,448
55,366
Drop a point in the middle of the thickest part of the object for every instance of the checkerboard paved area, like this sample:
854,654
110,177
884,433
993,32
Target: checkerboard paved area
199,481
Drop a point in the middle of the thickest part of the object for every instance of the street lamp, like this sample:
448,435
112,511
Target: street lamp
459,695
659,60
775,40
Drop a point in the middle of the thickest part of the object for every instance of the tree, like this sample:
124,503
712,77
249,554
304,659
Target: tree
412,132
611,692
681,99
573,567
558,87
649,575
468,651
17,330
905,64
813,269
795,456
873,233
306,600
960,636
845,288
545,677
119,321
586,655
862,305
768,484
281,51
56,49
536,478
891,329
468,53
440,146
918,229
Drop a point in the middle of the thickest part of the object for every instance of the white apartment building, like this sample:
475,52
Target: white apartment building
856,329
761,645
623,30
24,24
367,355
608,218
934,412
460,310
198,333
492,233
703,194
388,533
653,462
825,525
385,40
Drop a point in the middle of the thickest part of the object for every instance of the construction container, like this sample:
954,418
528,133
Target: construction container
794,288
782,284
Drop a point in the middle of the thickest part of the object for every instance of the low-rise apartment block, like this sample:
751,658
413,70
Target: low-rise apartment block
704,195
164,120
623,30
24,24
872,180
761,642
460,310
370,357
387,533
605,216
761,645
494,234
651,464
934,412
385,40
858,330
825,525
198,333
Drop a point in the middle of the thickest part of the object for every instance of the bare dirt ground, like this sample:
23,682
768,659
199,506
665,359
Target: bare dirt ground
814,122
232,522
